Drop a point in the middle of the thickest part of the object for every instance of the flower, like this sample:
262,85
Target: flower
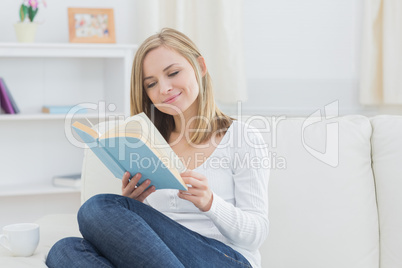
33,3
29,8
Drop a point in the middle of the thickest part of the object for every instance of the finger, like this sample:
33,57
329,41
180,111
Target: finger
140,189
195,183
130,187
125,179
189,197
145,194
134,181
193,191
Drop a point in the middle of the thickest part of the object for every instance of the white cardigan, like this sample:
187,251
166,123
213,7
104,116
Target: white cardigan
238,173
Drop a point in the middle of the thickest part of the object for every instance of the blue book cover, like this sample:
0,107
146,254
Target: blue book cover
134,151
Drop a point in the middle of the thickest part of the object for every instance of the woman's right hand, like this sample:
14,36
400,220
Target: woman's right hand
130,189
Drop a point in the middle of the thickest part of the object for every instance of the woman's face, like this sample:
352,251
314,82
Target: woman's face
169,81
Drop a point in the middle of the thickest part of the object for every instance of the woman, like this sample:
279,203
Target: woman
221,220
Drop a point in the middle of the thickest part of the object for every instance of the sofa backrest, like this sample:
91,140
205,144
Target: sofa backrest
387,166
320,215
322,205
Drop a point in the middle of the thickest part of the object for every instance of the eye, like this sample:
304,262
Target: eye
150,85
173,74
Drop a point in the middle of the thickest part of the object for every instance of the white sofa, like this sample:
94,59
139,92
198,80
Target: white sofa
335,194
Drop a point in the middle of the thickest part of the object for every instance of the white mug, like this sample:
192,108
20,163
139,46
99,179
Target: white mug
20,238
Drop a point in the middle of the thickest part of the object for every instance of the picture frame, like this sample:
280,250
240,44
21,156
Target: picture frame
91,25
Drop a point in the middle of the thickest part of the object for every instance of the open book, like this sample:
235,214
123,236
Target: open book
136,146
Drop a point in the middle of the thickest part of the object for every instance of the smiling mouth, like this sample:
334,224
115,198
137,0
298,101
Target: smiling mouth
172,99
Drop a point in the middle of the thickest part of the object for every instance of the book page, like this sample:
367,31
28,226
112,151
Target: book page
141,124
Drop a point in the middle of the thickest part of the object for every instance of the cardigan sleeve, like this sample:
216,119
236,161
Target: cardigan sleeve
245,224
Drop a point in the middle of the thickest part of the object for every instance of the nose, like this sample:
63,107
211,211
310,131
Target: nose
164,86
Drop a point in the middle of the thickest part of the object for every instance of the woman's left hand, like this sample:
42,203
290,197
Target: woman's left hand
199,192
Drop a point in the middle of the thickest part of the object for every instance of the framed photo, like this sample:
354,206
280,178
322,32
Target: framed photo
91,25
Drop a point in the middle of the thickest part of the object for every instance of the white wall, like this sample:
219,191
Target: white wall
54,19
300,55
303,55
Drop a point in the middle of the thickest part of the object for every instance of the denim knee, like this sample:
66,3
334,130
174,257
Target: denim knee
93,206
94,210
60,252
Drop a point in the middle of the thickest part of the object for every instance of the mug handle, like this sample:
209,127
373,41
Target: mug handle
4,241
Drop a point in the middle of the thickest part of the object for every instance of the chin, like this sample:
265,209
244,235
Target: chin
169,109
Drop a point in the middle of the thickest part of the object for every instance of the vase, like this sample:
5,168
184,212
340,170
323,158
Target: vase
25,31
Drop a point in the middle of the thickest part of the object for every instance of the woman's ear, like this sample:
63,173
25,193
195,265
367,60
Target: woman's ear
201,62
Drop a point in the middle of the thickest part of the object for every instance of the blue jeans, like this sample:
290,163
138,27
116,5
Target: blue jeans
122,232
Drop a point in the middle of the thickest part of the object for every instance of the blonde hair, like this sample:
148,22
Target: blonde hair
216,120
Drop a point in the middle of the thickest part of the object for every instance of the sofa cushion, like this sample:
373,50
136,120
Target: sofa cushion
97,178
387,167
322,213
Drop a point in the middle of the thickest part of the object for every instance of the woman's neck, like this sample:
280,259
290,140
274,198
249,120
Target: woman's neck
185,121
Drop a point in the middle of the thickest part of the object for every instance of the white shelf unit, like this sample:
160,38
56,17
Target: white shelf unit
66,74
22,117
35,189
34,146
